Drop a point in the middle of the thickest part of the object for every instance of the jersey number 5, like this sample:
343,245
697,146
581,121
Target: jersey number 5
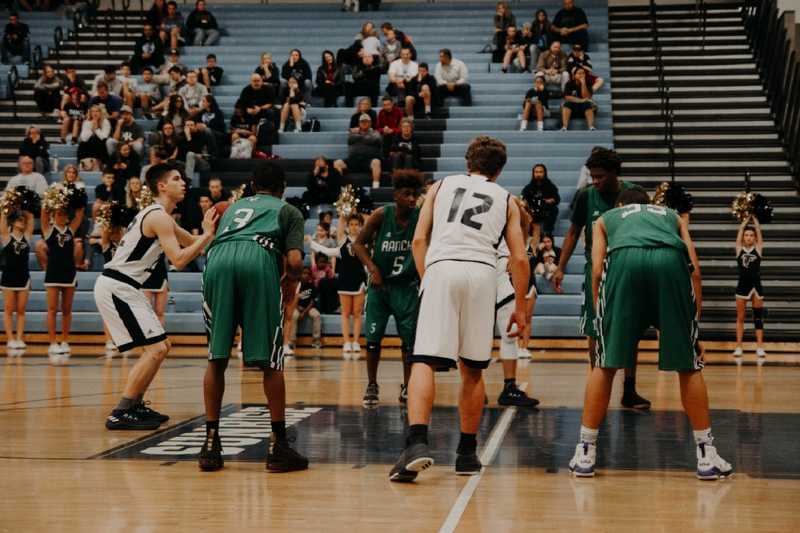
241,218
469,214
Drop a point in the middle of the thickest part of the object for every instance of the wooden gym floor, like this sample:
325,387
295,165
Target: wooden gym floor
62,471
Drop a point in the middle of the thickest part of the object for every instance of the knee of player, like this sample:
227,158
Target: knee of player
374,347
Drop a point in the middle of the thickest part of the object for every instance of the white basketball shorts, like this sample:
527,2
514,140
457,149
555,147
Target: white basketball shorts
127,314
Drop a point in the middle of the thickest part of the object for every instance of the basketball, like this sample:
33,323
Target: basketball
220,208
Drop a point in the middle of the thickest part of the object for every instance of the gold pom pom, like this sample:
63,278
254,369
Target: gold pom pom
103,217
660,196
56,198
10,201
237,194
347,203
742,206
145,198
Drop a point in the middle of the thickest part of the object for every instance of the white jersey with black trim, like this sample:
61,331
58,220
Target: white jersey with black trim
137,255
469,220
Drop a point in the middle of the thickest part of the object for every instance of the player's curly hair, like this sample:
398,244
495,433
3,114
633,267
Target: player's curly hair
407,179
486,155
606,159
269,176
633,196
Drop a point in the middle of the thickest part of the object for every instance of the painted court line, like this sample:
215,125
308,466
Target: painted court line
487,456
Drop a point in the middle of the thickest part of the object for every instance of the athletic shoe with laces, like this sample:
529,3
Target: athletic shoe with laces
761,353
632,400
582,463
282,458
523,353
210,458
403,398
347,348
371,395
738,352
468,464
511,395
710,466
288,351
150,414
130,419
355,347
110,346
64,347
413,460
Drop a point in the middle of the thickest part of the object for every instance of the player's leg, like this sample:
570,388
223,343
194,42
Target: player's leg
758,323
67,297
741,311
524,338
52,312
404,302
511,394
346,300
470,408
378,311
22,304
9,306
357,311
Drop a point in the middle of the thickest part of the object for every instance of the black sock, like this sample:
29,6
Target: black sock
212,425
630,385
467,444
417,433
279,430
126,404
510,382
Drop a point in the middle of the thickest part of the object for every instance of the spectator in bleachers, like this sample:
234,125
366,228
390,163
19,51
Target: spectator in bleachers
175,80
147,93
269,72
571,25
109,77
176,113
27,177
193,149
108,190
540,29
390,49
172,29
148,51
126,131
400,72
47,91
35,146
405,150
125,163
405,40
421,92
298,68
111,103
216,192
329,80
166,141
304,306
552,66
579,58
323,185
452,78
72,114
211,74
542,189
96,129
156,14
366,80
243,134
16,48
363,151
72,83
351,54
369,5
526,38
364,106
192,93
201,26
388,124
547,257
257,100
292,103
514,49
155,157
323,273
578,100
133,191
503,18
536,100
212,119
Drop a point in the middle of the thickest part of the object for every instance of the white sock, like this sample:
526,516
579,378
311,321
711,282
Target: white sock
703,436
589,435
523,124
539,125
427,109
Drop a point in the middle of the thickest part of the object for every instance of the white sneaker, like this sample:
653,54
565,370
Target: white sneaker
523,353
523,125
348,347
582,463
298,130
355,347
710,466
20,344
54,354
287,350
64,347
761,353
738,352
110,346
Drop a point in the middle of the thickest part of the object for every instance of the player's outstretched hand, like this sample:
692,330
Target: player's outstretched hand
558,278
516,323
210,221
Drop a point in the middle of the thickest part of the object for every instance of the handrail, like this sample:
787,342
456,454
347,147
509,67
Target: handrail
109,16
77,24
665,107
58,42
13,81
126,4
37,58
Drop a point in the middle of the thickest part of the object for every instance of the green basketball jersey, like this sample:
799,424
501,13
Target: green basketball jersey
643,226
591,204
392,252
277,223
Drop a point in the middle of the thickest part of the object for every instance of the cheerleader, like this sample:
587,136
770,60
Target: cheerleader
60,276
352,280
16,234
156,288
110,238
749,251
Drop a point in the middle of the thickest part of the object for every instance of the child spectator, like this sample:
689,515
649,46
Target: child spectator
305,307
536,99
211,74
514,49
546,259
201,26
292,102
421,92
322,273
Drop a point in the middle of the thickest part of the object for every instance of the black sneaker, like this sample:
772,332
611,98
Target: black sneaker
210,458
631,400
282,458
371,395
403,398
130,419
413,460
468,464
511,395
149,414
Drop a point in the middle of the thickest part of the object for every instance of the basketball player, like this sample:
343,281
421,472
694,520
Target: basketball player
749,251
242,286
645,273
604,166
463,220
509,350
126,311
394,284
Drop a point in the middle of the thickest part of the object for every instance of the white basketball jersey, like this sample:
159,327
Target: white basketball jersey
136,254
469,220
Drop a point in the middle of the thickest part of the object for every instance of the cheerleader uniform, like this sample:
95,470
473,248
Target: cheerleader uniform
16,273
61,271
352,279
157,282
748,264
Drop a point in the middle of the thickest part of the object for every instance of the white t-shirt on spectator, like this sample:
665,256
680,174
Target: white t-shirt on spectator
456,72
33,181
404,71
192,95
372,46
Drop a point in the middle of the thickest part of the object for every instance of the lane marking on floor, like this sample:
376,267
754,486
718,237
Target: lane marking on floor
488,454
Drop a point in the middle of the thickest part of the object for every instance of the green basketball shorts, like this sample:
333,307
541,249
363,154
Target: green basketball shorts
644,287
241,288
400,300
586,325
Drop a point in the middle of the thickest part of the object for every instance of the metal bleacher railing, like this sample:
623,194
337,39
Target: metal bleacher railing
779,69
666,111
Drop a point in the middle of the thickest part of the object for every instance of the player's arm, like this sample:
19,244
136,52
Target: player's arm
759,237
28,225
292,224
599,251
45,222
184,237
77,220
570,240
740,236
697,280
367,236
518,265
422,234
163,226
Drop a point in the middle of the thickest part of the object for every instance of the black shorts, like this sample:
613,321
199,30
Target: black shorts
359,163
578,108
